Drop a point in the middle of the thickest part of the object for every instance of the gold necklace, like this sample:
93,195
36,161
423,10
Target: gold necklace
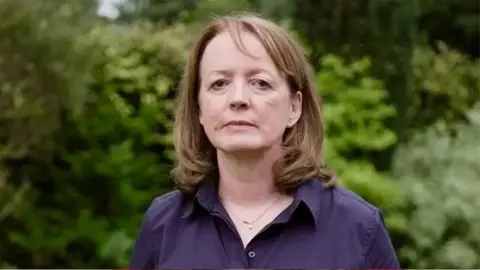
251,223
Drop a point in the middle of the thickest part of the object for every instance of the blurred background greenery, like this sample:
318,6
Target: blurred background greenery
86,117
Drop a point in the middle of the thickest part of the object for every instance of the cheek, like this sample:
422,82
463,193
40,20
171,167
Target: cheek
209,112
276,110
210,121
276,113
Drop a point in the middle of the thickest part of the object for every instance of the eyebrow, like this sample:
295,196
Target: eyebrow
249,72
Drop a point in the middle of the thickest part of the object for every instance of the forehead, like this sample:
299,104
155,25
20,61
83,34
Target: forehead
223,53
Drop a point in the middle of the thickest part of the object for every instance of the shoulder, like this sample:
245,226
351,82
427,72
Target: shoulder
341,207
355,214
165,208
162,211
337,204
351,209
352,204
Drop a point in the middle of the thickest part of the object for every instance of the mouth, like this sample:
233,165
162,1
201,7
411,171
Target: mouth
239,123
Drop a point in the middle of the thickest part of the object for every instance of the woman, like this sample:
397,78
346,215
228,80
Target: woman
253,191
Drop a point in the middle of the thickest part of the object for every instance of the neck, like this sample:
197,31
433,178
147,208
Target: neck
247,179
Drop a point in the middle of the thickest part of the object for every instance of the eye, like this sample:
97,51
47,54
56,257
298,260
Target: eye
261,84
219,84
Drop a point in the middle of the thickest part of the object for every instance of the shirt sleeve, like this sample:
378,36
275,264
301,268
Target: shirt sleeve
142,253
380,253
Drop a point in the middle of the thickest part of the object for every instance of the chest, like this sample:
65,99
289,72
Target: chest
248,230
214,244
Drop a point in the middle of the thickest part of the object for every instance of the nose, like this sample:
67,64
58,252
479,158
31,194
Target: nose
240,99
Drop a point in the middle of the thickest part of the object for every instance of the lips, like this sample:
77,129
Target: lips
239,123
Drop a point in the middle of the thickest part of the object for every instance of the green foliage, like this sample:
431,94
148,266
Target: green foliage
355,106
158,11
206,10
447,84
88,196
43,69
461,32
355,113
439,176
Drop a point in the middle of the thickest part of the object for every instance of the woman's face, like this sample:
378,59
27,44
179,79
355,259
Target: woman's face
245,102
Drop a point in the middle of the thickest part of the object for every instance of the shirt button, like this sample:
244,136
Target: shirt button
251,254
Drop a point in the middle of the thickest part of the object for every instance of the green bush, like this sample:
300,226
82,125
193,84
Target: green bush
446,84
439,177
44,70
355,111
89,194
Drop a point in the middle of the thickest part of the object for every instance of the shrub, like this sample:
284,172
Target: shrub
89,193
438,174
355,111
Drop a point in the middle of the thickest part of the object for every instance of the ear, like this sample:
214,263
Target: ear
295,109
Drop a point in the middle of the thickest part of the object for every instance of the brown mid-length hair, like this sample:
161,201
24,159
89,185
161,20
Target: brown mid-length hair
302,143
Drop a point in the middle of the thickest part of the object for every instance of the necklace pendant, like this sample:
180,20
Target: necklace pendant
248,224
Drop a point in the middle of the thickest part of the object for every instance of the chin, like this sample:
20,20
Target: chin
240,146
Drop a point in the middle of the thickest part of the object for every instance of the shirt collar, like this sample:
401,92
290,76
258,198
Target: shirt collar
205,198
309,193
